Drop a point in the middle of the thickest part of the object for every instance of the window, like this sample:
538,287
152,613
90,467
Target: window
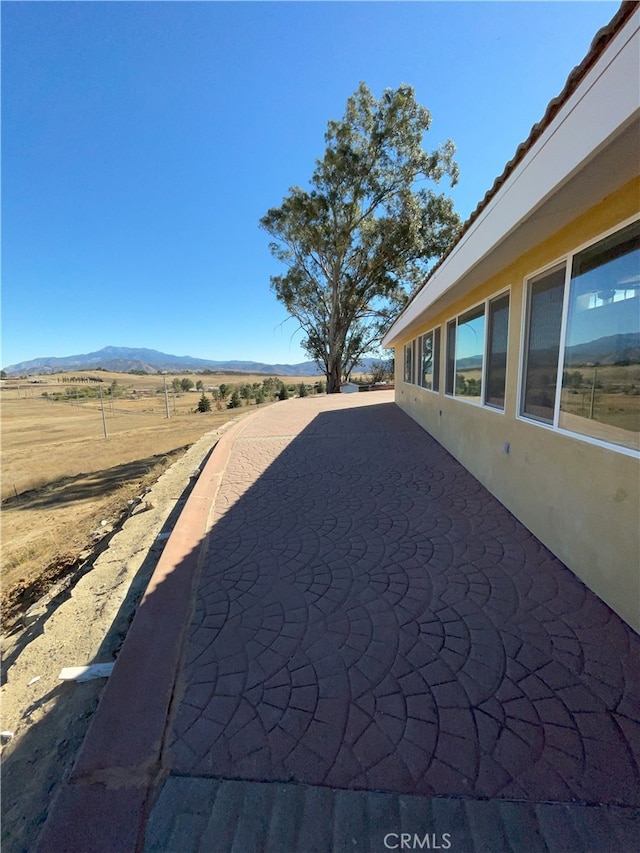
473,372
601,370
595,352
435,382
408,363
496,361
425,360
542,345
469,354
450,375
429,360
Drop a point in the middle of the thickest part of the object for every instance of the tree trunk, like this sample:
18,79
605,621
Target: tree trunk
334,376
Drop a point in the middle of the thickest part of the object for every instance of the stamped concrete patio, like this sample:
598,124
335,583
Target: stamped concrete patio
374,646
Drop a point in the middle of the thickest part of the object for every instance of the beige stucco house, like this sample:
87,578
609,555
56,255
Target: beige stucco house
521,352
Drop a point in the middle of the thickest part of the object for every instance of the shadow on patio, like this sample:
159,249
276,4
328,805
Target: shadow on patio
370,617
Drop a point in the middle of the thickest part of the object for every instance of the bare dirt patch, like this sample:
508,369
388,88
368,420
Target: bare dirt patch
61,477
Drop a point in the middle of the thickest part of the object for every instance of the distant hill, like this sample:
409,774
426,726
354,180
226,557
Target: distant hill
612,349
125,359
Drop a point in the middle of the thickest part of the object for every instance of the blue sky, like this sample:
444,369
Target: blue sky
143,141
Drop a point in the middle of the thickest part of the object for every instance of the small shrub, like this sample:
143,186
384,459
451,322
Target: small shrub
235,402
204,404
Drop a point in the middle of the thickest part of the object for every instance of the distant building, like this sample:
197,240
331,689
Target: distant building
521,352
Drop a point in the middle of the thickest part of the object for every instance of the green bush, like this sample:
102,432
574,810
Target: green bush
235,402
204,404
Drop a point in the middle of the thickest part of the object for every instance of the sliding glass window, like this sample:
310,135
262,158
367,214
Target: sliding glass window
450,370
408,363
542,346
435,381
469,354
601,371
496,362
425,379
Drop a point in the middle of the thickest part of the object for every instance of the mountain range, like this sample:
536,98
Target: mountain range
125,359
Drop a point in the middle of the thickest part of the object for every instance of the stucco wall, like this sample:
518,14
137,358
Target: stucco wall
580,499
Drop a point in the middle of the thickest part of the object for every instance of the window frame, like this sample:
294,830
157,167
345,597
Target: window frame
453,321
499,295
437,353
487,338
435,360
554,426
412,378
450,380
470,310
525,335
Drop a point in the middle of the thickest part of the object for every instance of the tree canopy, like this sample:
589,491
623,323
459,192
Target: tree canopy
360,241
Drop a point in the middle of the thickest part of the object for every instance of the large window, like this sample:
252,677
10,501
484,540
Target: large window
450,372
429,360
435,384
476,366
544,320
601,372
408,363
469,354
595,355
425,361
497,338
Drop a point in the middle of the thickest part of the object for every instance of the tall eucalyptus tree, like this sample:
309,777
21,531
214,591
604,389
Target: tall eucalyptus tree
358,243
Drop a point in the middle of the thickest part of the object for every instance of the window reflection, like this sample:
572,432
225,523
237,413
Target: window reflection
545,294
450,368
469,352
408,363
498,329
601,373
426,360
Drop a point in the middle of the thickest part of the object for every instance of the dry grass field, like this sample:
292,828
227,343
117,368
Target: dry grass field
61,477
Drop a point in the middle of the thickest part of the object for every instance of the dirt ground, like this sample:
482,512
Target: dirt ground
83,619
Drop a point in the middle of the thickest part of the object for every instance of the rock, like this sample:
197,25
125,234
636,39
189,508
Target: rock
86,673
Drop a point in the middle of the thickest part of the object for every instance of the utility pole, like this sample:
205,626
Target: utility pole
166,397
104,420
593,392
